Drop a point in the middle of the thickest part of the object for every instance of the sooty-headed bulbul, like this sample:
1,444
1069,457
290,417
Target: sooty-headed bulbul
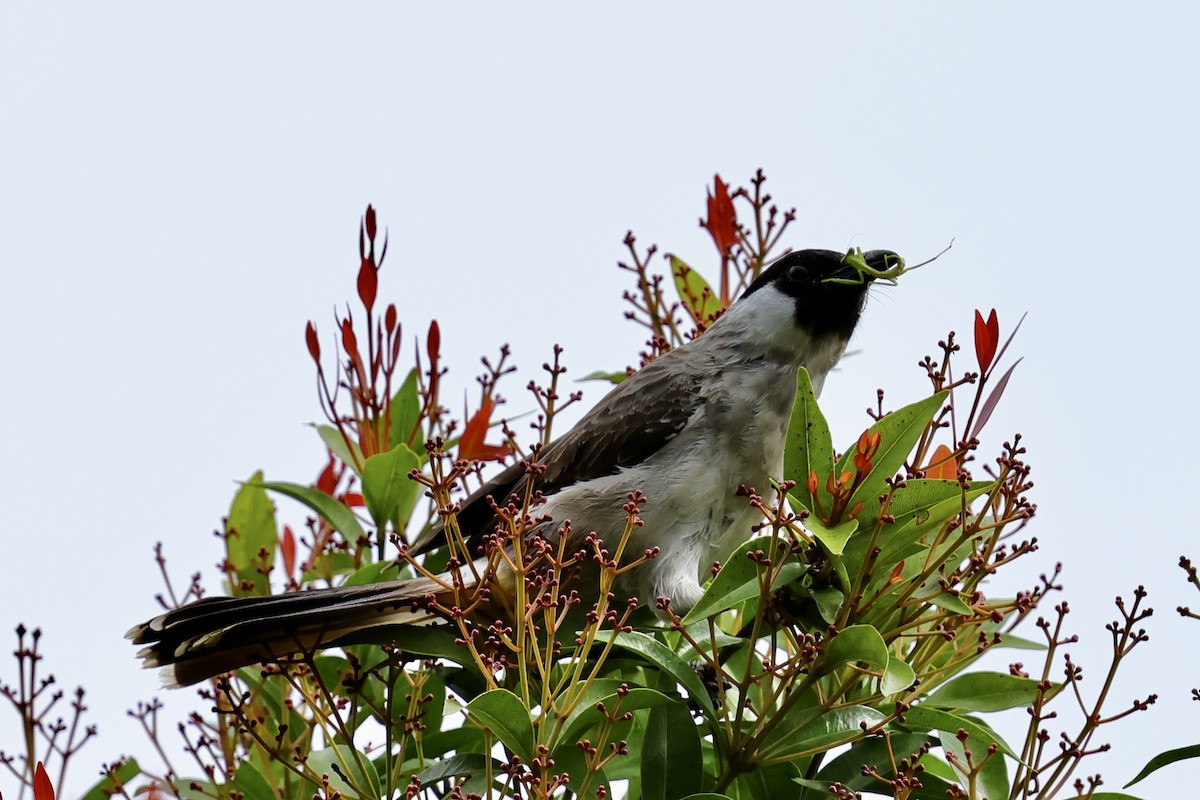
686,430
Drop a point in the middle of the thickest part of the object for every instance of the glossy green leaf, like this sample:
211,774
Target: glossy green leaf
832,540
348,454
339,517
389,493
986,691
503,713
458,766
897,677
672,763
707,796
1163,759
829,602
374,573
349,771
404,414
856,643
876,752
659,655
250,529
694,292
929,718
991,780
809,445
251,783
898,432
588,715
922,514
831,728
738,579
107,786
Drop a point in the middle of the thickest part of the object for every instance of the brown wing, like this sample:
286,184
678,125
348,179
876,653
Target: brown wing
626,427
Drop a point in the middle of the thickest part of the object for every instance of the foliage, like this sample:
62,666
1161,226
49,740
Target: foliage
834,653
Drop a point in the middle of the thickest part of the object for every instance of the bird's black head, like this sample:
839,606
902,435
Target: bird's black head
824,307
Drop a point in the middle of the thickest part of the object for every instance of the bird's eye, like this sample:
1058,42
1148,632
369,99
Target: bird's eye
797,272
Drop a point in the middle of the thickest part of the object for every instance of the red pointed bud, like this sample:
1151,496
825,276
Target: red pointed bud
389,317
314,344
368,283
349,340
287,549
43,789
433,343
355,500
814,482
369,222
896,577
987,336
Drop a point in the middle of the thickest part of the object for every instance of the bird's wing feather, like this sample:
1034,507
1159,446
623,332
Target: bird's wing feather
631,423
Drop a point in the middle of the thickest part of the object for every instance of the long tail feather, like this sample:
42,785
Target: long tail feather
216,635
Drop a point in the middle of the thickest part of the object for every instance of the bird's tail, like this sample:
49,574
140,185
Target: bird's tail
219,634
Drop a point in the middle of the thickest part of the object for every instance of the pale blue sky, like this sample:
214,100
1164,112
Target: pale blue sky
180,189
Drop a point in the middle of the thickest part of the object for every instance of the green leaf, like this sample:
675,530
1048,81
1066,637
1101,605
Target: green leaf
659,655
1106,796
388,491
348,770
672,763
589,715
708,796
990,782
877,752
339,517
348,454
251,783
897,677
405,413
927,718
832,540
1163,759
738,579
503,713
126,771
697,296
601,375
829,602
986,691
933,505
808,446
458,766
831,729
856,643
374,573
251,528
898,433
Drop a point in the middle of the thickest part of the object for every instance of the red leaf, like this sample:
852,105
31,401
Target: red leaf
287,549
314,345
987,335
989,405
354,499
722,219
942,466
897,574
368,283
470,444
328,479
42,788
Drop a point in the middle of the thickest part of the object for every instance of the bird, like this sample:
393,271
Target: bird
685,431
